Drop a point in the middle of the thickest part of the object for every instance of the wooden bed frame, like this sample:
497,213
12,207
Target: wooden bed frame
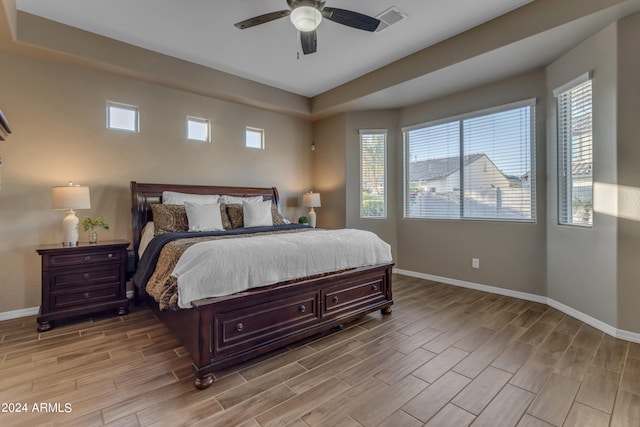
224,331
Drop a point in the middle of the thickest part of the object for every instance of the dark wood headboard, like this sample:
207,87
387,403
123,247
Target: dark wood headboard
144,195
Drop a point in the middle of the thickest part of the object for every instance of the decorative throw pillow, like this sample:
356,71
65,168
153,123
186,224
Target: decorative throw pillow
175,198
203,217
169,218
278,219
236,216
257,214
226,222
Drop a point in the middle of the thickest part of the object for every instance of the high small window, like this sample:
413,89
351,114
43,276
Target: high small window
575,152
122,117
373,173
478,166
254,138
198,129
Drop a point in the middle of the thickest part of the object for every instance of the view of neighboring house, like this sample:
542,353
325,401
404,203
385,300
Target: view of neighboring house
581,183
488,192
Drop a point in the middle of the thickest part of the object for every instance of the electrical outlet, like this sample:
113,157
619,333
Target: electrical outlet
475,262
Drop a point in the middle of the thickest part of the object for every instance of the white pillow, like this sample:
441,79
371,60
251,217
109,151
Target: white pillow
175,198
147,234
203,217
235,200
257,214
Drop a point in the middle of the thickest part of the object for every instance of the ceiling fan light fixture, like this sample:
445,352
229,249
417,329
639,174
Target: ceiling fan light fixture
306,18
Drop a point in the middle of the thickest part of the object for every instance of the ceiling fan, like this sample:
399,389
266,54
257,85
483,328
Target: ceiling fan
306,15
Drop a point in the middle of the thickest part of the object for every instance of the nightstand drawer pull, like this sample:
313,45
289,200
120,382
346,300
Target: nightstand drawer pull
336,299
110,256
239,327
86,276
302,308
87,258
374,287
86,295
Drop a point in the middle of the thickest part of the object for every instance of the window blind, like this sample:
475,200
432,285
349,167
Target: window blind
479,166
373,176
575,155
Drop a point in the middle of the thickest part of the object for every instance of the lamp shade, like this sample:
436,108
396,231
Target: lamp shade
311,200
305,18
71,197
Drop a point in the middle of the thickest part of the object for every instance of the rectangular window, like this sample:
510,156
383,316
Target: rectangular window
575,152
373,173
254,138
198,129
478,166
122,117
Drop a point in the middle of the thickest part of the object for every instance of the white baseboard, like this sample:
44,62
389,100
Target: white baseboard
591,321
15,314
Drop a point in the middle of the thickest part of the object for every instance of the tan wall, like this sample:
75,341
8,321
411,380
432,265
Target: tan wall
329,170
57,114
512,255
628,158
581,262
384,119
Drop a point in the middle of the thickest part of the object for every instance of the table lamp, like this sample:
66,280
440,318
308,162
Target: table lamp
311,200
70,197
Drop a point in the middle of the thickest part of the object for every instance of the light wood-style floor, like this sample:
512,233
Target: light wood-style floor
447,356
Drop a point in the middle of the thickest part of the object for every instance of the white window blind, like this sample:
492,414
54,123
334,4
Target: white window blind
373,173
575,154
478,166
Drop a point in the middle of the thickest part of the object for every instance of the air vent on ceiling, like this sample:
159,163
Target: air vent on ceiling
389,17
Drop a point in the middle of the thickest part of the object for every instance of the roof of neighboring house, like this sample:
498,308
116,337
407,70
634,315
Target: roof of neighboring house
581,168
432,169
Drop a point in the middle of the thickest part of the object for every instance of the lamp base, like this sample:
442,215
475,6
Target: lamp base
312,218
70,229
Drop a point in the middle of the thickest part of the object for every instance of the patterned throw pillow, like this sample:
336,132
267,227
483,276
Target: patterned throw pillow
236,215
169,218
278,219
226,222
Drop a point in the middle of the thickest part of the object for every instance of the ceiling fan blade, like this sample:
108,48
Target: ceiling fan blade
351,19
262,19
309,42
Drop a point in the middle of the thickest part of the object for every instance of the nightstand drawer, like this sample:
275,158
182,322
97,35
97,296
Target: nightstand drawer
65,279
80,297
94,257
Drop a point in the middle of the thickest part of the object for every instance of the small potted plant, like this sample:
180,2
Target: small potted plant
303,220
91,224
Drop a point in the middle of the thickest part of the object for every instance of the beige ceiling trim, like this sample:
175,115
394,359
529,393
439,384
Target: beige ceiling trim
44,38
37,36
519,24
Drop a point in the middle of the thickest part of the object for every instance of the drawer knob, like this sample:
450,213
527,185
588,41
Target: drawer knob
110,256
374,287
86,276
87,258
86,295
239,327
302,308
336,299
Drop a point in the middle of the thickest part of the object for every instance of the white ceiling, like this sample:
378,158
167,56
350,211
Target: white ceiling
202,31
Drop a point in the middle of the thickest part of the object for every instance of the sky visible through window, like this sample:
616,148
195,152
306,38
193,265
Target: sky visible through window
497,135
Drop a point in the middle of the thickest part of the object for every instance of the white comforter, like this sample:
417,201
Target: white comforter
226,266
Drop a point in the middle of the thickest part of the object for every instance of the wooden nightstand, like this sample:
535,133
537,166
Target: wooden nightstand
81,280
